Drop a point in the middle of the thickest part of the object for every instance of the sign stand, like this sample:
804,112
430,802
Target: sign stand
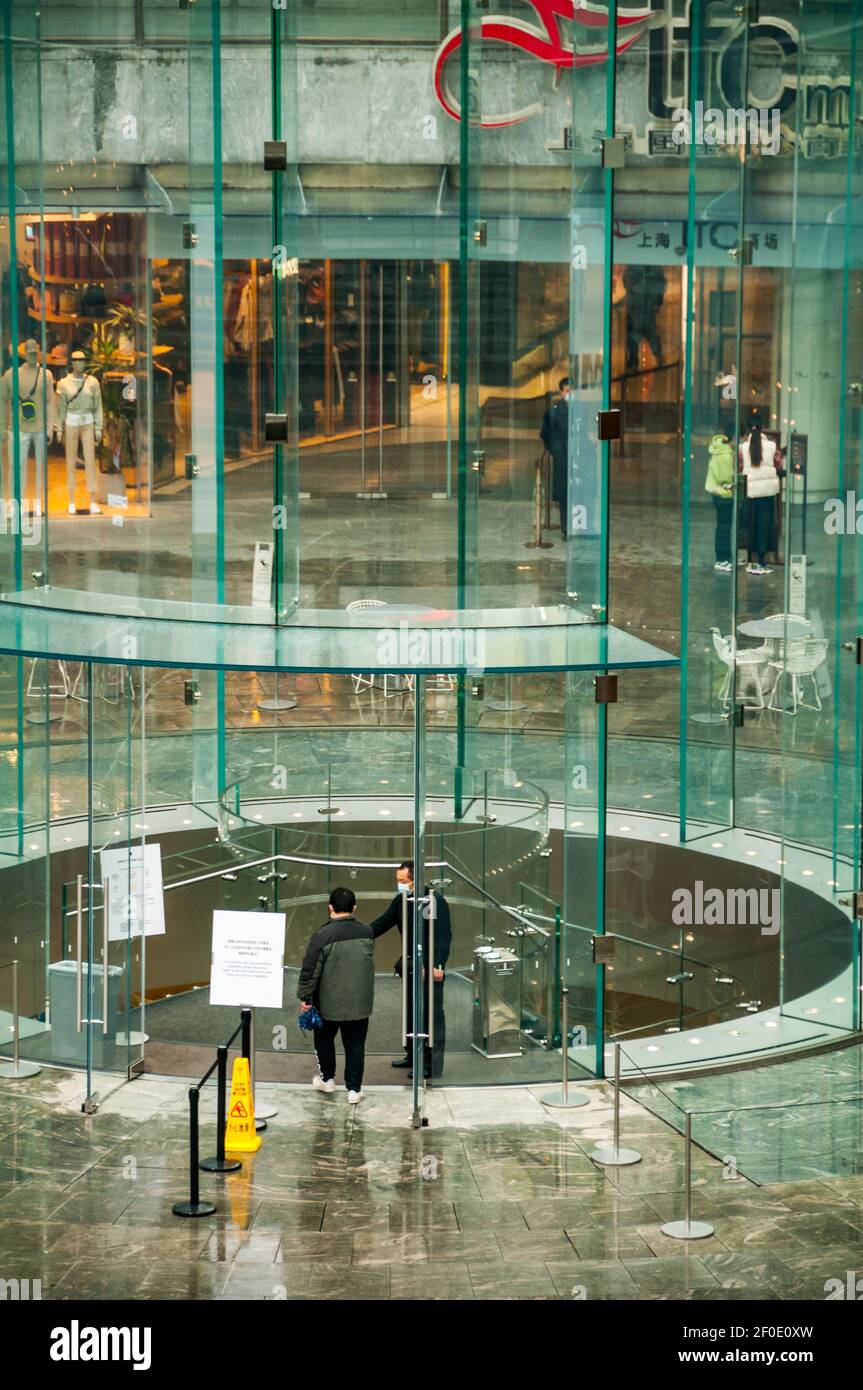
248,956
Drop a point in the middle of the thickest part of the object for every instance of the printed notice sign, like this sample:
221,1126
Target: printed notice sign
247,969
134,891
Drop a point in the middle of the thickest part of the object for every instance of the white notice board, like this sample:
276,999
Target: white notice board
134,891
247,961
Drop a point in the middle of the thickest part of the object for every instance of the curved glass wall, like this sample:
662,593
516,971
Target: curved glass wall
328,270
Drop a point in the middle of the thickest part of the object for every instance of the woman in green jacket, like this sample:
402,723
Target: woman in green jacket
720,484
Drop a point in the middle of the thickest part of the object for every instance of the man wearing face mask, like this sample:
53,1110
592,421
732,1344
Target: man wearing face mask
392,917
79,419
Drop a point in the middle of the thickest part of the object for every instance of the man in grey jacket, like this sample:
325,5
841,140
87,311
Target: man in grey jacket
338,977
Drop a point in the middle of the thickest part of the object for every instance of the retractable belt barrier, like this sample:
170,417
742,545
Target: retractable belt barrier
220,1164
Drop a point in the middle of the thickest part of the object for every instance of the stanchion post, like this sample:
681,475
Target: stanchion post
262,1112
221,1164
564,1099
246,1019
17,1070
687,1229
259,1123
615,1157
194,1206
538,543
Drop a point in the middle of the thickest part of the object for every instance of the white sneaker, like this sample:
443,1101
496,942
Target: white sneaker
73,510
724,565
752,569
354,1097
95,509
321,1085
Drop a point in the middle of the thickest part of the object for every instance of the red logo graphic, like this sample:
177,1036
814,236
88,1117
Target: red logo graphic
544,43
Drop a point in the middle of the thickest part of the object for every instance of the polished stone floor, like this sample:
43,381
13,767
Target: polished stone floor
497,1199
797,1120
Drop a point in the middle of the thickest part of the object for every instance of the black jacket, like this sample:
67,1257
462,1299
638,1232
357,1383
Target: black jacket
338,970
442,927
555,436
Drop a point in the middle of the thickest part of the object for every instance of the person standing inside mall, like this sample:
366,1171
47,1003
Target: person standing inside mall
338,978
555,436
758,457
433,1057
720,484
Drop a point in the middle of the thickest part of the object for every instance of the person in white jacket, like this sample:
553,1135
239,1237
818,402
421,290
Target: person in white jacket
758,457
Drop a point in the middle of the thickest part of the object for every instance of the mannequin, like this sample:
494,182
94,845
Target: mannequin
79,415
35,416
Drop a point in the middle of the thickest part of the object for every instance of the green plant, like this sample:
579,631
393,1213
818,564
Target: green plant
106,357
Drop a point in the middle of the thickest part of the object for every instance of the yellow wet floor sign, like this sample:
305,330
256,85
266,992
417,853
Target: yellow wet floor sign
240,1136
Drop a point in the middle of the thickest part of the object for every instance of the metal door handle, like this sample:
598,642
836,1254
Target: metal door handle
430,970
404,969
79,889
105,896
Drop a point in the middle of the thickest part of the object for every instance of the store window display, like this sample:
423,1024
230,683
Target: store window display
36,417
79,423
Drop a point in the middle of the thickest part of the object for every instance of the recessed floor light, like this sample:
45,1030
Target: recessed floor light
652,1047
717,844
771,1023
807,873
384,812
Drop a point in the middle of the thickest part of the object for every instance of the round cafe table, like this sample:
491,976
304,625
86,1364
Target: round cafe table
789,625
775,630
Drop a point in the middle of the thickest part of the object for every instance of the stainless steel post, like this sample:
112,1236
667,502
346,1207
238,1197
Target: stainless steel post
262,1112
17,1070
404,970
615,1157
430,973
537,543
105,889
564,1099
79,912
259,1123
687,1229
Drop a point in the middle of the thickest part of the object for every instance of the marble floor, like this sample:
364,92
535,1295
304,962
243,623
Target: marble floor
497,1199
797,1120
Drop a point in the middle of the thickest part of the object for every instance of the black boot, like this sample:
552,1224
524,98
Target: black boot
404,1062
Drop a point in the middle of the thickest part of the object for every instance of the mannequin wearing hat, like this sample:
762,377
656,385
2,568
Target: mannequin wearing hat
79,419
35,416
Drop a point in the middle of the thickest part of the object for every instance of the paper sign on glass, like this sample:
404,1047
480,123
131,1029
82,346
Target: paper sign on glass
248,958
135,902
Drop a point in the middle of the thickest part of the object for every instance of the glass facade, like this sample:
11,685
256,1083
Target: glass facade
383,395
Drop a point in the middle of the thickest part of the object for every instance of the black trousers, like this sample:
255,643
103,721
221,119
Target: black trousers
433,1057
353,1033
762,520
724,507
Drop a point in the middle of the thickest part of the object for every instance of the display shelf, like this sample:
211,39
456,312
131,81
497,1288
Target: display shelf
101,279
46,316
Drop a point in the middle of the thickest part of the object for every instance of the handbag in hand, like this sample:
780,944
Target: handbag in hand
310,1018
